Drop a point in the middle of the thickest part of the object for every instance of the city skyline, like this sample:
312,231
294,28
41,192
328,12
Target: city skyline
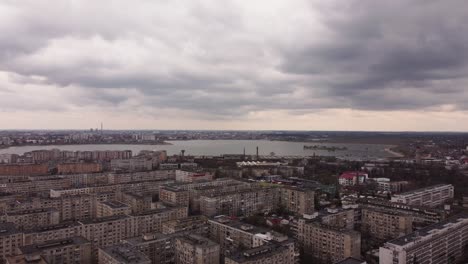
234,65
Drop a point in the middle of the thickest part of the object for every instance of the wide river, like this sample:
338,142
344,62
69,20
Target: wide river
219,147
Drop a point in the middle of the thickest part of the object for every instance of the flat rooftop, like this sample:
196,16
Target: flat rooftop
29,249
115,204
125,253
351,260
7,229
257,253
197,240
429,230
159,210
428,188
103,219
240,225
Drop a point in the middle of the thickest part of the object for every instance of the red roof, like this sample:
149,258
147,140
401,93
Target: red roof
351,174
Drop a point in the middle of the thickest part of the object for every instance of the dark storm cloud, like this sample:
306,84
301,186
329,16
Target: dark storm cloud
382,46
226,59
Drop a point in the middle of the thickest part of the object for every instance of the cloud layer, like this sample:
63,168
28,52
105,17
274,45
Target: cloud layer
234,64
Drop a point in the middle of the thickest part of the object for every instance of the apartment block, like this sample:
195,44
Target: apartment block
297,200
197,192
245,202
40,235
112,208
421,216
10,239
195,249
124,177
233,235
64,251
385,224
29,219
152,220
443,242
185,224
193,176
24,169
75,168
158,247
121,254
35,186
107,231
431,196
338,218
273,252
328,244
169,166
133,164
137,202
174,196
77,207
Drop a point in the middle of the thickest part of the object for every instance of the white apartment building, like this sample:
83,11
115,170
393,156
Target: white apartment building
430,196
443,242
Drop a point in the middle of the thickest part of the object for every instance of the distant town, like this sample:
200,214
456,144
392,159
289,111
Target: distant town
117,206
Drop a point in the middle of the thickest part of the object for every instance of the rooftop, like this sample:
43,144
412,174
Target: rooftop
103,219
240,225
431,230
125,253
258,252
7,229
156,211
197,240
351,260
424,189
115,204
172,188
29,249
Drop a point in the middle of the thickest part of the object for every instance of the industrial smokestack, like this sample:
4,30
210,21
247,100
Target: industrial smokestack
257,152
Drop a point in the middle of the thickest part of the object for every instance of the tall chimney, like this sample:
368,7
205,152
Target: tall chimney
257,152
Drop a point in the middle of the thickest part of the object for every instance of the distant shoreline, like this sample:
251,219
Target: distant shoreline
394,153
84,144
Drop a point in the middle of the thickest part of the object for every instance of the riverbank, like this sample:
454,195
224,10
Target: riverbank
85,144
394,153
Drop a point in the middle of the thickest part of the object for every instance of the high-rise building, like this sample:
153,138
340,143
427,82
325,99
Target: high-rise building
430,196
28,219
385,224
174,196
298,200
112,208
67,251
10,239
244,202
273,252
327,243
121,254
444,242
195,249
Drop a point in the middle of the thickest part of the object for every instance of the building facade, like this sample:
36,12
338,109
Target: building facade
431,196
326,244
444,242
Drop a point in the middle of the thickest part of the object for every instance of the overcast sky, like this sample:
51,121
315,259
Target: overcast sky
273,64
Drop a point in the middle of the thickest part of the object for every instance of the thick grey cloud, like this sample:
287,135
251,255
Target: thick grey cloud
228,59
389,54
